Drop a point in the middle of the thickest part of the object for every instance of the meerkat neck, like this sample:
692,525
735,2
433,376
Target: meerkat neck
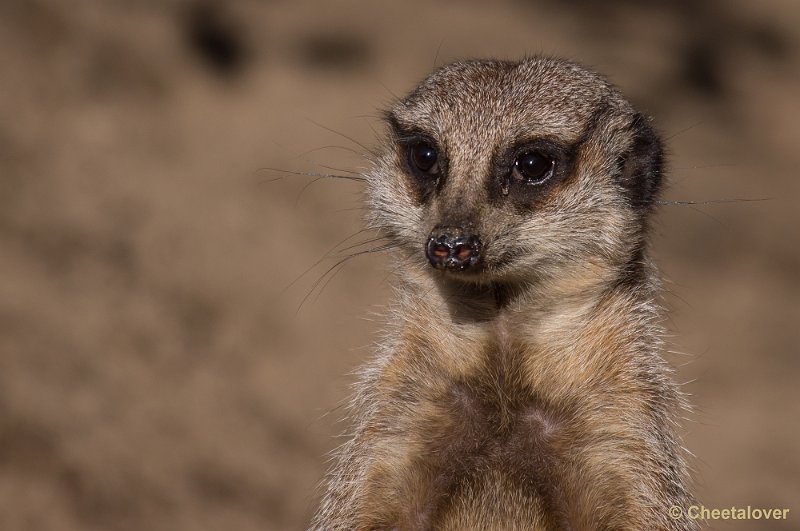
577,290
574,318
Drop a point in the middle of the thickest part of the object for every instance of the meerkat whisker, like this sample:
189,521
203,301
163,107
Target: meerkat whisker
684,130
365,242
331,146
713,201
313,174
328,254
346,137
352,172
334,268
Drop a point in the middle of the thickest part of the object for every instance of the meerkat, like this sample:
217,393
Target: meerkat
519,384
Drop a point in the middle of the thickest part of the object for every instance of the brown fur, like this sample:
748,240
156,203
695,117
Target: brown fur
529,394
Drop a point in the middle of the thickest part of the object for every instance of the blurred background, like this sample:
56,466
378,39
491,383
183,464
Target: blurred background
161,365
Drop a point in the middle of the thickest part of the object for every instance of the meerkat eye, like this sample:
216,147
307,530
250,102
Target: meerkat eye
533,167
424,157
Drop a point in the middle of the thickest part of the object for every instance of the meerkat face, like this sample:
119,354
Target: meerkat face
509,170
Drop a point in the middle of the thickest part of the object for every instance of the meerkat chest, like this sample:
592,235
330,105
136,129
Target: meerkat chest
486,443
496,420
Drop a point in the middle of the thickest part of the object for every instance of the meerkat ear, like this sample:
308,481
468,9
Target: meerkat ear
642,164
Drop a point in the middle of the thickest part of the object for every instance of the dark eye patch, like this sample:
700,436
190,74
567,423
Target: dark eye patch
423,159
525,172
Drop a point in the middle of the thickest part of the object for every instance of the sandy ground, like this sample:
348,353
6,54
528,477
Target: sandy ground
155,372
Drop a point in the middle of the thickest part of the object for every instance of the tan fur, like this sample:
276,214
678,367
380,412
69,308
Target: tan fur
529,394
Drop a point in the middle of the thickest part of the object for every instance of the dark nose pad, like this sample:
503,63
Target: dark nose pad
452,248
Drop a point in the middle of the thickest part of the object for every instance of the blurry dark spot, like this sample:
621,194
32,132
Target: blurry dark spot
769,42
63,248
12,182
113,69
124,501
272,504
217,486
46,23
120,255
281,431
59,247
26,445
215,37
197,315
702,69
334,51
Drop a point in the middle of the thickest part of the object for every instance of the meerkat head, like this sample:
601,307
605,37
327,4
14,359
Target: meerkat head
510,171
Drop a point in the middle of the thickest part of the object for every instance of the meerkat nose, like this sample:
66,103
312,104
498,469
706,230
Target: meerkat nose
452,248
